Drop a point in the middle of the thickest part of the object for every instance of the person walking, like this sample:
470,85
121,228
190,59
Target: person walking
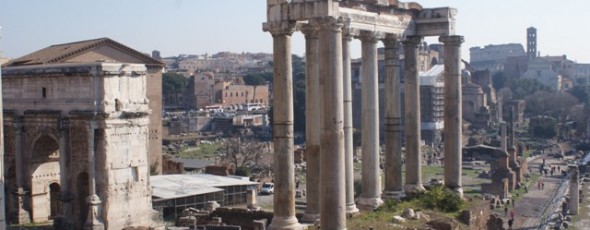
510,223
505,210
512,214
542,185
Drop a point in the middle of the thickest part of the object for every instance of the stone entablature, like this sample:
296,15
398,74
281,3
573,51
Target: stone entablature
114,86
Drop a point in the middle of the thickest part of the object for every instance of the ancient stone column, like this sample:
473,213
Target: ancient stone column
65,195
574,190
332,172
93,222
371,191
348,140
412,116
503,144
393,139
453,113
2,181
312,128
22,215
284,174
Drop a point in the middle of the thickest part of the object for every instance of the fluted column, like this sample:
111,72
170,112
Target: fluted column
348,140
371,191
22,215
412,116
3,195
283,168
93,222
393,139
332,184
312,127
65,195
453,113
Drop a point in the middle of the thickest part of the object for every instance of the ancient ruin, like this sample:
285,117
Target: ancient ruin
329,26
77,125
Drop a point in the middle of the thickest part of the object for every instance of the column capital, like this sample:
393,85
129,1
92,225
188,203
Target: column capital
369,36
451,39
389,38
285,28
310,31
412,41
64,124
329,23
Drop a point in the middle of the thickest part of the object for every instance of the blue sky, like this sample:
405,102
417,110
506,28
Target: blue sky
209,26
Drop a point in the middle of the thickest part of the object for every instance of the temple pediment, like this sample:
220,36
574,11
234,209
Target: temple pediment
97,50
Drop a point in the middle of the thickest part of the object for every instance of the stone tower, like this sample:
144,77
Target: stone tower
531,42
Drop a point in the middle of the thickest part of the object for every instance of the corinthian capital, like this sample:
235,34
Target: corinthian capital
279,28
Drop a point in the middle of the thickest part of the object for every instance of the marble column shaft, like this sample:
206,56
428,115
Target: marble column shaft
22,215
93,222
312,128
64,166
412,116
503,139
453,113
348,129
3,195
393,138
332,171
283,167
371,191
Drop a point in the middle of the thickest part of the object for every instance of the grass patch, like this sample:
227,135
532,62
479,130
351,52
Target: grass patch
203,151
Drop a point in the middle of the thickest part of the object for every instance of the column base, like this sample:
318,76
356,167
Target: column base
458,190
22,216
310,218
284,223
414,188
94,226
369,204
396,195
351,209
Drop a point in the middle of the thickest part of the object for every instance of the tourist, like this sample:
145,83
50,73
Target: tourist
505,210
513,204
538,185
512,213
526,190
542,186
297,184
510,223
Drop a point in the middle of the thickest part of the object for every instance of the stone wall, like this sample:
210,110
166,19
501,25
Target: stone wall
477,216
241,217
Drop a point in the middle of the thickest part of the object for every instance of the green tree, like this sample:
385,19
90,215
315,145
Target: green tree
580,92
500,80
255,79
524,87
173,84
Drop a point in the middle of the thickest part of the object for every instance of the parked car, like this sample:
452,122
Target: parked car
267,188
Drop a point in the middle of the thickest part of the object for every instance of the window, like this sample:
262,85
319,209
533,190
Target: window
44,92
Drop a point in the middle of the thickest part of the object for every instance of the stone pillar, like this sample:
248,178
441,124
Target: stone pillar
2,181
503,144
332,185
312,128
412,116
93,221
452,131
393,139
574,190
284,174
348,140
371,192
65,196
22,215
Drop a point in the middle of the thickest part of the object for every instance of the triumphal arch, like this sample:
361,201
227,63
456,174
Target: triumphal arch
329,27
76,121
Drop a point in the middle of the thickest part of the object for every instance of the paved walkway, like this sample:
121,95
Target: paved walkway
528,209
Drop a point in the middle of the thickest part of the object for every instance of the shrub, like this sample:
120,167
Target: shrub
442,199
243,171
